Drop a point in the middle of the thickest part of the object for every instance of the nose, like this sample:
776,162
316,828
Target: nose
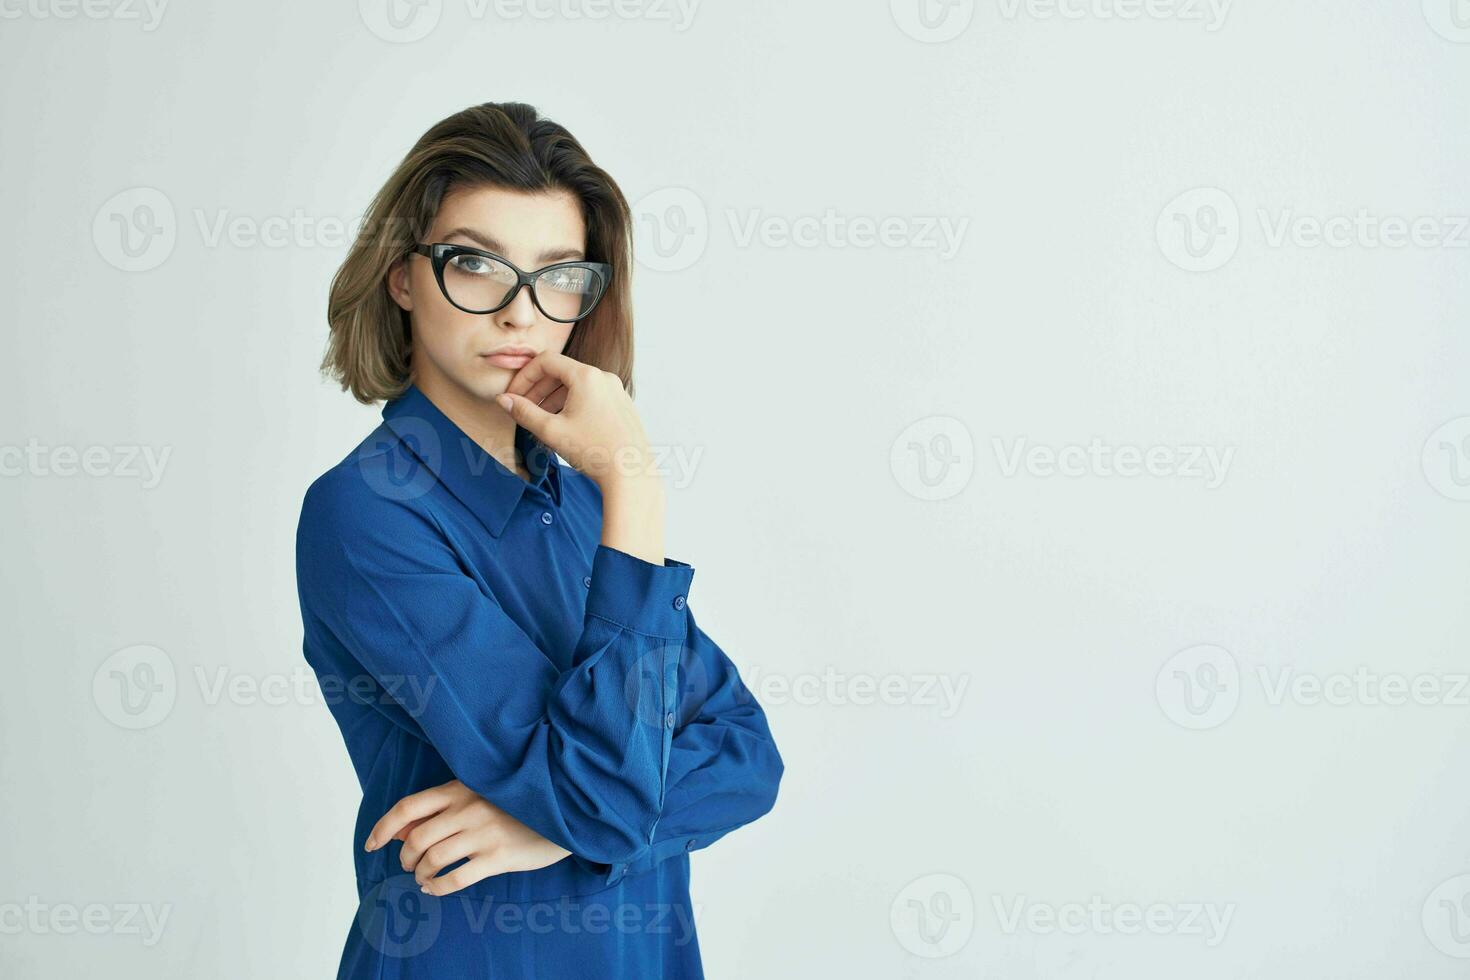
520,312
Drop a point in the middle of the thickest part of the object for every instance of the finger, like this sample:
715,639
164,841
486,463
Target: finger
545,364
441,856
542,388
406,829
555,401
428,834
530,416
414,807
473,870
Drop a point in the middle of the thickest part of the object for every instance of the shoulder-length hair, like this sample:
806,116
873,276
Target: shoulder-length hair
505,144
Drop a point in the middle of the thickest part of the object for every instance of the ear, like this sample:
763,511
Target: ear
397,282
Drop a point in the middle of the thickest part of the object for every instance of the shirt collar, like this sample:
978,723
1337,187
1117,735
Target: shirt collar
480,481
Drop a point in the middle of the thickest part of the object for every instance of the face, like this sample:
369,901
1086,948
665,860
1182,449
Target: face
453,349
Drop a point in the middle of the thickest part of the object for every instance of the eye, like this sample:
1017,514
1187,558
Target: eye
473,264
572,278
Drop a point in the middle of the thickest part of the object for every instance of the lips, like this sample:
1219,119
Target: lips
513,358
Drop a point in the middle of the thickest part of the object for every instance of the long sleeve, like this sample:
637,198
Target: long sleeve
580,755
724,768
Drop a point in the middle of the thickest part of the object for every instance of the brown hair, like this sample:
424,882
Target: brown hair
505,144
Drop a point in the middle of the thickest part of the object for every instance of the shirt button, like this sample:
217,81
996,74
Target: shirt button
669,720
678,602
546,517
587,581
689,844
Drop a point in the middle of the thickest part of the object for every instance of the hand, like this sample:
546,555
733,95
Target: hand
584,415
439,826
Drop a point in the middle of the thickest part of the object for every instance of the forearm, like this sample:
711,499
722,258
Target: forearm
633,516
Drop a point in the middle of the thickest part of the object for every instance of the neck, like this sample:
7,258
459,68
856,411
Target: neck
486,423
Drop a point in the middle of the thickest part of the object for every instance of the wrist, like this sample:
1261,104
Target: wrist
631,487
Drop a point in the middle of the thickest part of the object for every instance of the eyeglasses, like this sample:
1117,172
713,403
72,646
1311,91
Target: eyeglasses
477,281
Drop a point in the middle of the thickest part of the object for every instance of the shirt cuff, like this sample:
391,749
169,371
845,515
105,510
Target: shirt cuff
639,595
647,859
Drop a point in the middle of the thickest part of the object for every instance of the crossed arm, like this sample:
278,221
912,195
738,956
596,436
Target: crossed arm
723,772
646,746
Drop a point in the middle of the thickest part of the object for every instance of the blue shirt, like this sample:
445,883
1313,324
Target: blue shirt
465,623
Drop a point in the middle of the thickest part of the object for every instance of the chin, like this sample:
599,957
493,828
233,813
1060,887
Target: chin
484,381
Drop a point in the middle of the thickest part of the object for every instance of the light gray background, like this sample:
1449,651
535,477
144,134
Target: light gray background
1119,737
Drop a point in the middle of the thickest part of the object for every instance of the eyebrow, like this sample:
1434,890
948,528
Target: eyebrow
491,245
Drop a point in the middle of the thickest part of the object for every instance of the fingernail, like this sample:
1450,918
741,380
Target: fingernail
504,401
369,845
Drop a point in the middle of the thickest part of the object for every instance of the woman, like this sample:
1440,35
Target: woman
541,730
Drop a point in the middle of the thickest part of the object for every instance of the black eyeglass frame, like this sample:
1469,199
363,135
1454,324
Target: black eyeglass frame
440,253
